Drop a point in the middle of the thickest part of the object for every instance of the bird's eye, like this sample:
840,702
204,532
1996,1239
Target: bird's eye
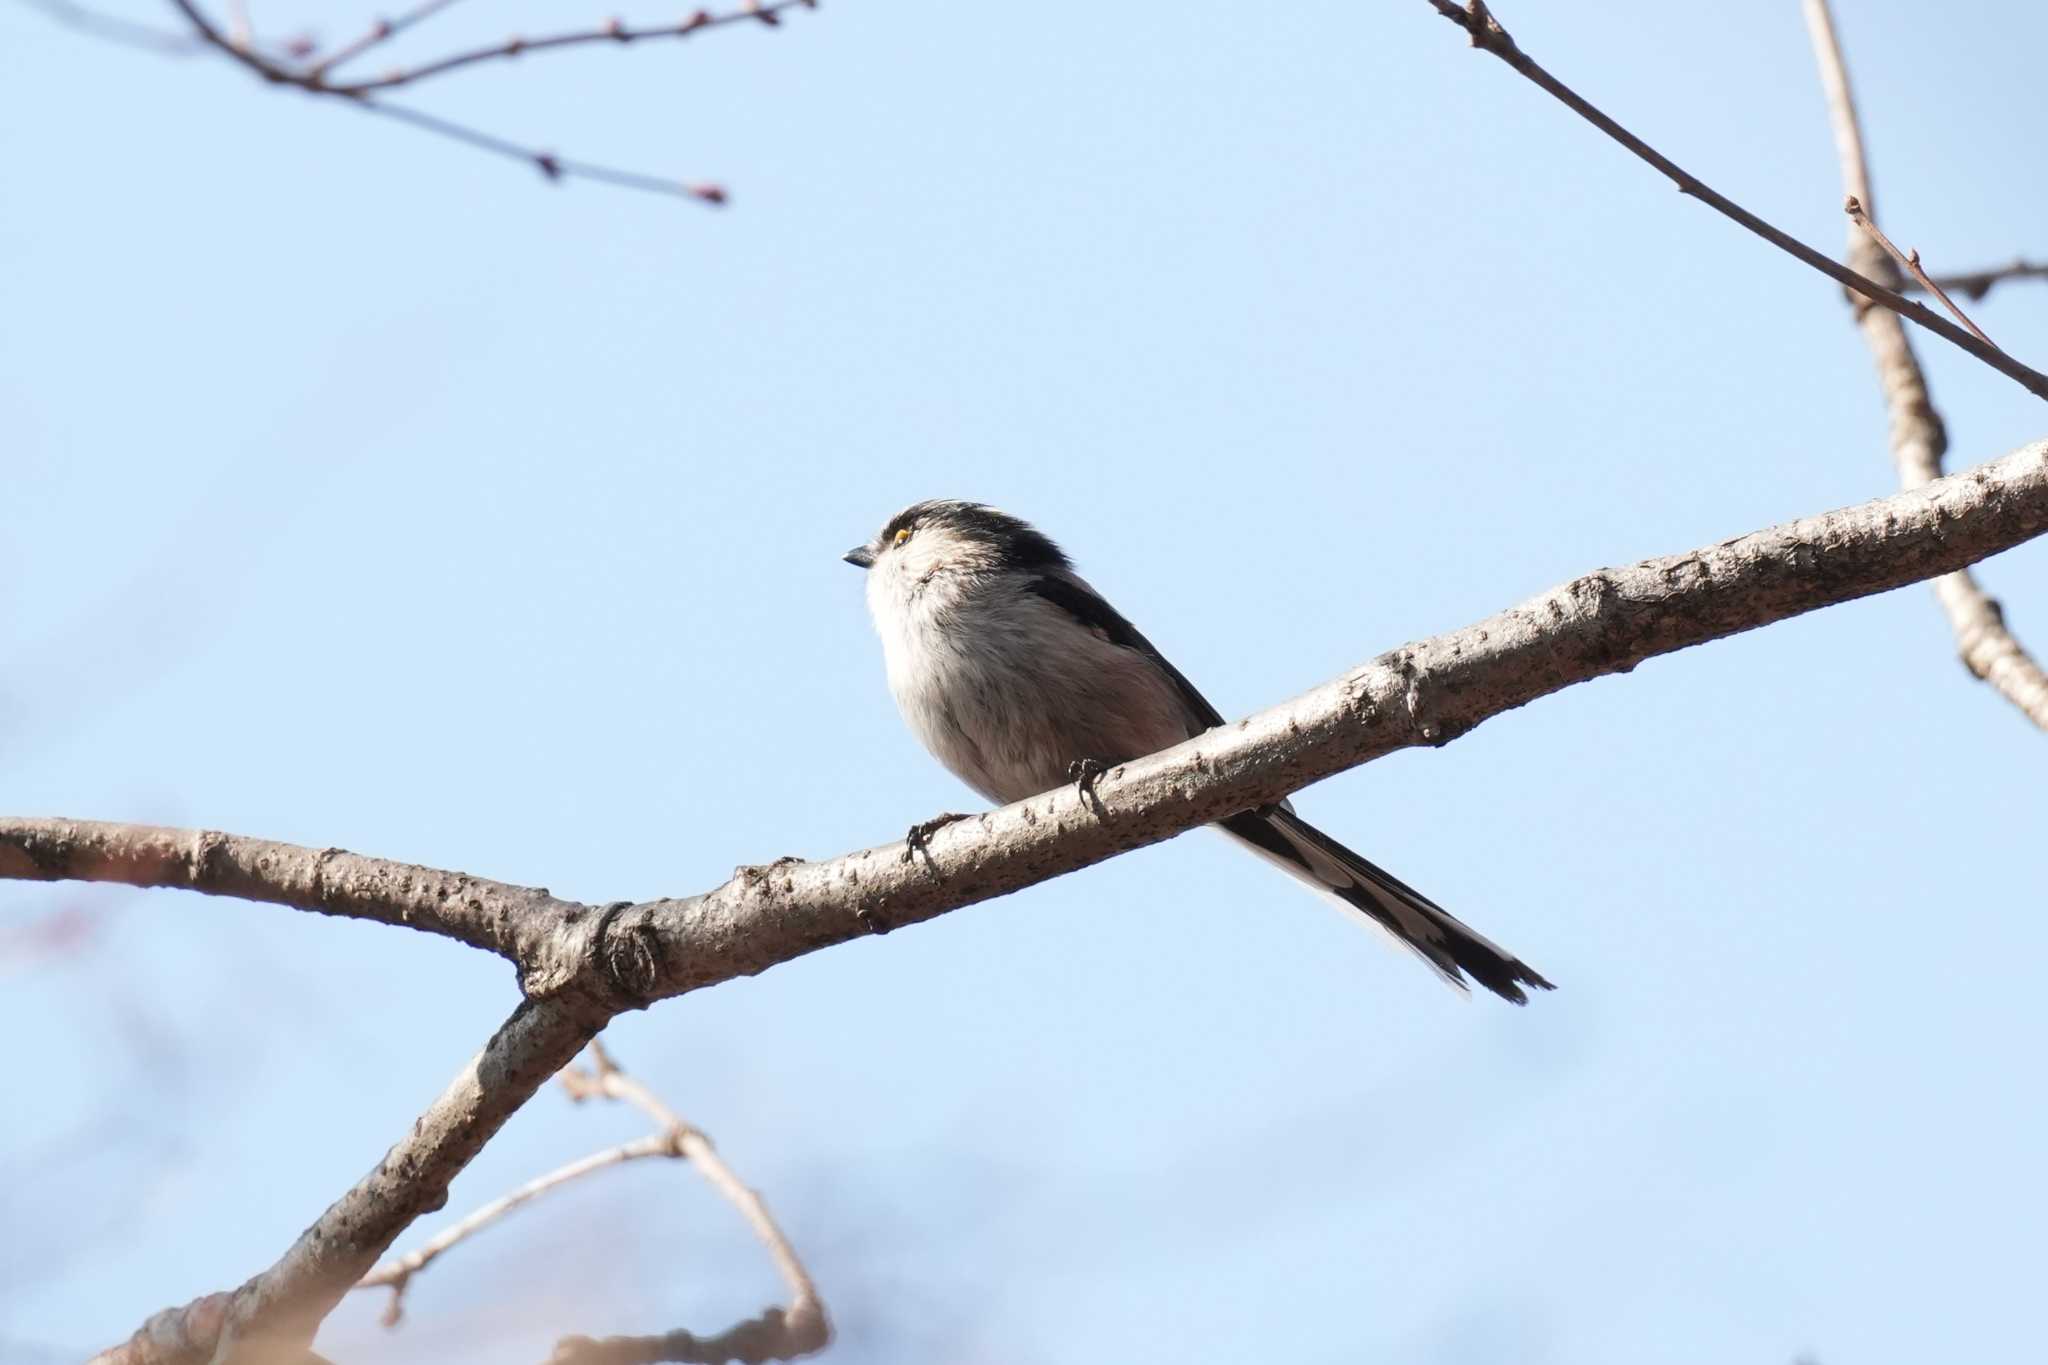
901,536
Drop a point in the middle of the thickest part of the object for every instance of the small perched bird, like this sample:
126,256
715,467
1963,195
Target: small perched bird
1017,675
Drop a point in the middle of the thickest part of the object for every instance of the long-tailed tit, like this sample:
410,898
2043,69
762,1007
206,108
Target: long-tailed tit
1014,673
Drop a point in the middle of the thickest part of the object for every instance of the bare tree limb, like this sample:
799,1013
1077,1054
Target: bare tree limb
1488,35
1919,440
276,1314
583,967
506,920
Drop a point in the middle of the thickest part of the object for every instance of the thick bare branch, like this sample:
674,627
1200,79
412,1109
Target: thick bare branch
1919,440
590,966
507,920
274,1315
1487,34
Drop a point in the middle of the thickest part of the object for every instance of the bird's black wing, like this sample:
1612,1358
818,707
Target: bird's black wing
1276,833
1085,605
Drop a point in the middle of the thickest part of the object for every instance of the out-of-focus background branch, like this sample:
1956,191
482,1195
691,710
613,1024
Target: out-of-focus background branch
301,62
778,1334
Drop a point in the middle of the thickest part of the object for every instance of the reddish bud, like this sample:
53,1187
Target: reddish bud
708,192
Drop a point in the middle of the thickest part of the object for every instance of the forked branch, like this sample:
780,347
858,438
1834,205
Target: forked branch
1919,440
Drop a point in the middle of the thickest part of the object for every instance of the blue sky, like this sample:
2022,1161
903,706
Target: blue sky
369,492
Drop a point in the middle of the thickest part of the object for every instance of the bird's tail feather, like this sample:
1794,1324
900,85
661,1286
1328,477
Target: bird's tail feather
1412,919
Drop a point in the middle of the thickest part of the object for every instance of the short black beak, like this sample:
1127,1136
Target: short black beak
861,557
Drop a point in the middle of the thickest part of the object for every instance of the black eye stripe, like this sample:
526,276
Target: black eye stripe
1016,543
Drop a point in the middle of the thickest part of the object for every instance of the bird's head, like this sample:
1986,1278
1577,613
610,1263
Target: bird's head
946,538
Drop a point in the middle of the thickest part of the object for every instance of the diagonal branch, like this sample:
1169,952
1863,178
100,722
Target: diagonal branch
1918,437
274,1315
1487,34
588,967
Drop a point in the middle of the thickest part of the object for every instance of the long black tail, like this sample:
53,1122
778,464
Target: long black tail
1281,837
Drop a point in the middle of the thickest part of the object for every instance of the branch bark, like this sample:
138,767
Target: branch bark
506,920
1919,439
582,965
274,1315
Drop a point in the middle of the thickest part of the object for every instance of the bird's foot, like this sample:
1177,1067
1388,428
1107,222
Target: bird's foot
918,838
1082,772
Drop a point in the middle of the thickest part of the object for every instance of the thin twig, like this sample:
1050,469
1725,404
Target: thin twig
397,1273
1911,261
803,1328
1487,34
383,30
1918,438
1975,284
612,32
551,166
313,79
804,1321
